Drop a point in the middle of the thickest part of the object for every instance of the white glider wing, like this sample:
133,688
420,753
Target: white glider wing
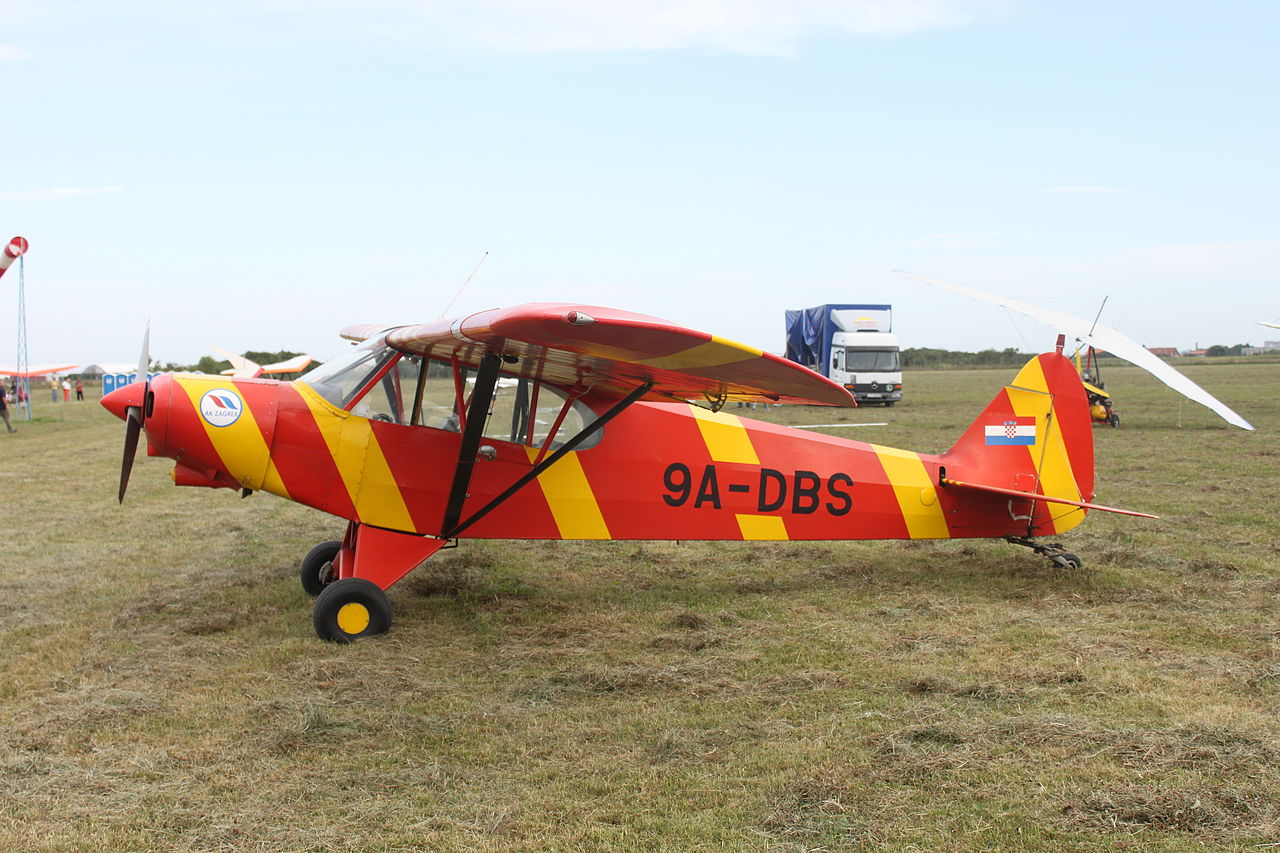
1099,337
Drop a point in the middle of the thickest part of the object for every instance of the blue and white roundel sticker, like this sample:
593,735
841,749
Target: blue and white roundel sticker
221,407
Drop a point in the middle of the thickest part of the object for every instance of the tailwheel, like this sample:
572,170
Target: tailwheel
316,571
1059,556
351,608
1066,560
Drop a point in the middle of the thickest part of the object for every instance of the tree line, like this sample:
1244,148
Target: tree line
921,357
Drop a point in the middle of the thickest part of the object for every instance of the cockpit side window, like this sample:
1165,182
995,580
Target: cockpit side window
525,411
437,403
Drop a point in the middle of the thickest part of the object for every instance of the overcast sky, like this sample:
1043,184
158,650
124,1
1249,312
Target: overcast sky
256,175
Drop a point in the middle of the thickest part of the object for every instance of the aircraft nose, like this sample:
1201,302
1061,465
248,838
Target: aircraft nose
122,398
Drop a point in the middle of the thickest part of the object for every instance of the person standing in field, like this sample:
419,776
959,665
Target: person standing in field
4,407
53,390
79,390
66,390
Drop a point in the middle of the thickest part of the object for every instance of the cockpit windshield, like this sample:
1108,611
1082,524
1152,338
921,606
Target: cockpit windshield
340,379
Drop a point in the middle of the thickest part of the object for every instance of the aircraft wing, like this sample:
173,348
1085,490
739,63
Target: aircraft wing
34,370
241,367
290,365
1272,325
1103,338
617,351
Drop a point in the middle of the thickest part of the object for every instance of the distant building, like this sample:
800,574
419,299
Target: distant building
1164,352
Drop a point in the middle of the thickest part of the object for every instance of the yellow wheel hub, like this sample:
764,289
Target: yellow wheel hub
353,618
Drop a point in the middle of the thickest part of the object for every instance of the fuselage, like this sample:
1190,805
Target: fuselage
657,471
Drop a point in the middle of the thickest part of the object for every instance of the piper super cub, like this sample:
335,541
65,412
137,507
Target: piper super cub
558,421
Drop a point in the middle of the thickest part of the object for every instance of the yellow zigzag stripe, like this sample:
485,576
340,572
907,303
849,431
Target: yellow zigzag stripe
361,464
240,445
917,495
573,505
714,352
729,442
727,439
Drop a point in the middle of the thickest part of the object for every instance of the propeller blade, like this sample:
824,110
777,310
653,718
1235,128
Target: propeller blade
132,429
144,358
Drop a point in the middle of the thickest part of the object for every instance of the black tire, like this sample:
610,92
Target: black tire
889,404
1069,561
351,608
1115,420
316,569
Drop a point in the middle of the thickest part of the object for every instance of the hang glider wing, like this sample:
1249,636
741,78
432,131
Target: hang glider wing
1099,337
1271,325
616,351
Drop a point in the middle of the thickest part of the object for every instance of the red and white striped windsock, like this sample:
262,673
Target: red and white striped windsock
16,248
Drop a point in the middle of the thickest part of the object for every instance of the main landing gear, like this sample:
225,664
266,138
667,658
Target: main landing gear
1057,555
348,578
350,608
316,570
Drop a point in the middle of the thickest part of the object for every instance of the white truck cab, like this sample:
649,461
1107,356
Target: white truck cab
868,364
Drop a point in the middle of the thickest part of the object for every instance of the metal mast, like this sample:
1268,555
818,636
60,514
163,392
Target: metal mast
14,251
24,361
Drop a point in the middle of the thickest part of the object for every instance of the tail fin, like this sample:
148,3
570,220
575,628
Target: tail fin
1034,439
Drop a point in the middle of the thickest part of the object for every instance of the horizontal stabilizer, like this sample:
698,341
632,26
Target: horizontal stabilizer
1014,493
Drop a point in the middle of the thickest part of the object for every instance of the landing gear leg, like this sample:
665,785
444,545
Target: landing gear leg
1057,555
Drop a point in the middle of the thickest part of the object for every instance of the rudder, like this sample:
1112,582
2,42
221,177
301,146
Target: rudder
1034,437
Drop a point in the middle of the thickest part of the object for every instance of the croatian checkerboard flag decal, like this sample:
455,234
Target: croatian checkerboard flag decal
1013,430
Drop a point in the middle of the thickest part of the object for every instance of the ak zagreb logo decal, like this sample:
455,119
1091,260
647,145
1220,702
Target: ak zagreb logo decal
221,407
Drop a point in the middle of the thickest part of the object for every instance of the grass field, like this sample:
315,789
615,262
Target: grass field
163,690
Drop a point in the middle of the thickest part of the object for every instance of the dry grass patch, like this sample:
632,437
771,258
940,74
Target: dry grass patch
162,689
1214,812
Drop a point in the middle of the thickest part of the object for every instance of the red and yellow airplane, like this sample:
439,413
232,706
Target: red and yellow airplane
557,421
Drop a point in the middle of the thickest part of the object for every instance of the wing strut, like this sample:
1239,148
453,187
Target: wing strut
532,474
472,433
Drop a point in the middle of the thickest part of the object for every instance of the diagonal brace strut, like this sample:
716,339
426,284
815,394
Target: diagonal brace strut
533,473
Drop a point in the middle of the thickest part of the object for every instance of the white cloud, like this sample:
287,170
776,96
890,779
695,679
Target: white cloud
739,26
55,193
9,53
1081,190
